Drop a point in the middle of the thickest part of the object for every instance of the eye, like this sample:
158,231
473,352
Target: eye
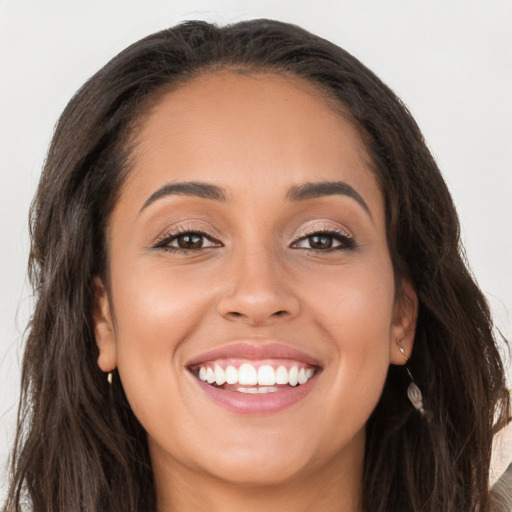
325,240
184,241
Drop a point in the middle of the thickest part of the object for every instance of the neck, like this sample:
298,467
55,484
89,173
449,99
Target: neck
334,487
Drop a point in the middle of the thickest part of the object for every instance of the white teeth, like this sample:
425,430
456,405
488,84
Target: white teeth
210,376
231,375
247,375
220,376
293,376
270,389
266,376
281,375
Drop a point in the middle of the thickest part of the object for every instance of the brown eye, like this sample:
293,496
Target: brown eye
325,241
187,241
190,241
320,242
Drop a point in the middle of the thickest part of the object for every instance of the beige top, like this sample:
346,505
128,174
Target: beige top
501,493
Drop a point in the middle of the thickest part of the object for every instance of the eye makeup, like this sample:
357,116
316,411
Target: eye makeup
185,239
324,238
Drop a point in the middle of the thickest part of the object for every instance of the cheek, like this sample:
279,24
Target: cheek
355,303
155,306
154,313
355,312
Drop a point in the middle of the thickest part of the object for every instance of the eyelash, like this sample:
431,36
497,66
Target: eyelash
164,241
346,240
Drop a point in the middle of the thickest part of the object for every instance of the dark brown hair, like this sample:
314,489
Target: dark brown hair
80,448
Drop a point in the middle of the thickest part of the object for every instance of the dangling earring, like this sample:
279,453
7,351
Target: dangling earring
109,378
413,391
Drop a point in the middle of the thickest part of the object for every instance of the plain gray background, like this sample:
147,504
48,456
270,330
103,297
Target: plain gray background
450,61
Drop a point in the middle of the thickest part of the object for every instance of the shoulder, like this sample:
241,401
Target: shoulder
501,493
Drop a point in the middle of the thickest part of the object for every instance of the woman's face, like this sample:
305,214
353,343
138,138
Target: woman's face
248,245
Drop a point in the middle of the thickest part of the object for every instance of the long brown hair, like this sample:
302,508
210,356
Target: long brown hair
80,448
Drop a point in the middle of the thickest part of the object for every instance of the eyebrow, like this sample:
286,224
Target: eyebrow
325,188
295,194
188,188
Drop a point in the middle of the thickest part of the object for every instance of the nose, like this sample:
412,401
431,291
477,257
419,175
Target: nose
258,291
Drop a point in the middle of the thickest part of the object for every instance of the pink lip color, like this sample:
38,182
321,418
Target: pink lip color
255,404
252,351
266,403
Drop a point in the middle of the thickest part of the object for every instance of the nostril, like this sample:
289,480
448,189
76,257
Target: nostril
238,314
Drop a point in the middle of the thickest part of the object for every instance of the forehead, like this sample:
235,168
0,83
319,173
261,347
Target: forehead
238,129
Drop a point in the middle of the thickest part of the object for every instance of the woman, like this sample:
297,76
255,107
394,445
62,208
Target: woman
250,293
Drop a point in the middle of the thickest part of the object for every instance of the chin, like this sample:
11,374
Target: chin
253,470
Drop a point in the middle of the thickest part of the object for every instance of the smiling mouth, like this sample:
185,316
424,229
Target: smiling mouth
254,377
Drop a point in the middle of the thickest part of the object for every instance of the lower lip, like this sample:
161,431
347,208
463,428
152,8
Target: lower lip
264,403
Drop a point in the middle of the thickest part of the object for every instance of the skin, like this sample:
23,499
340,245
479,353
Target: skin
256,136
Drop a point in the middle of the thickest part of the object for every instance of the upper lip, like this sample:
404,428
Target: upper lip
254,351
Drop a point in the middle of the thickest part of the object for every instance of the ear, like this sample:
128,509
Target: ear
404,323
104,328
